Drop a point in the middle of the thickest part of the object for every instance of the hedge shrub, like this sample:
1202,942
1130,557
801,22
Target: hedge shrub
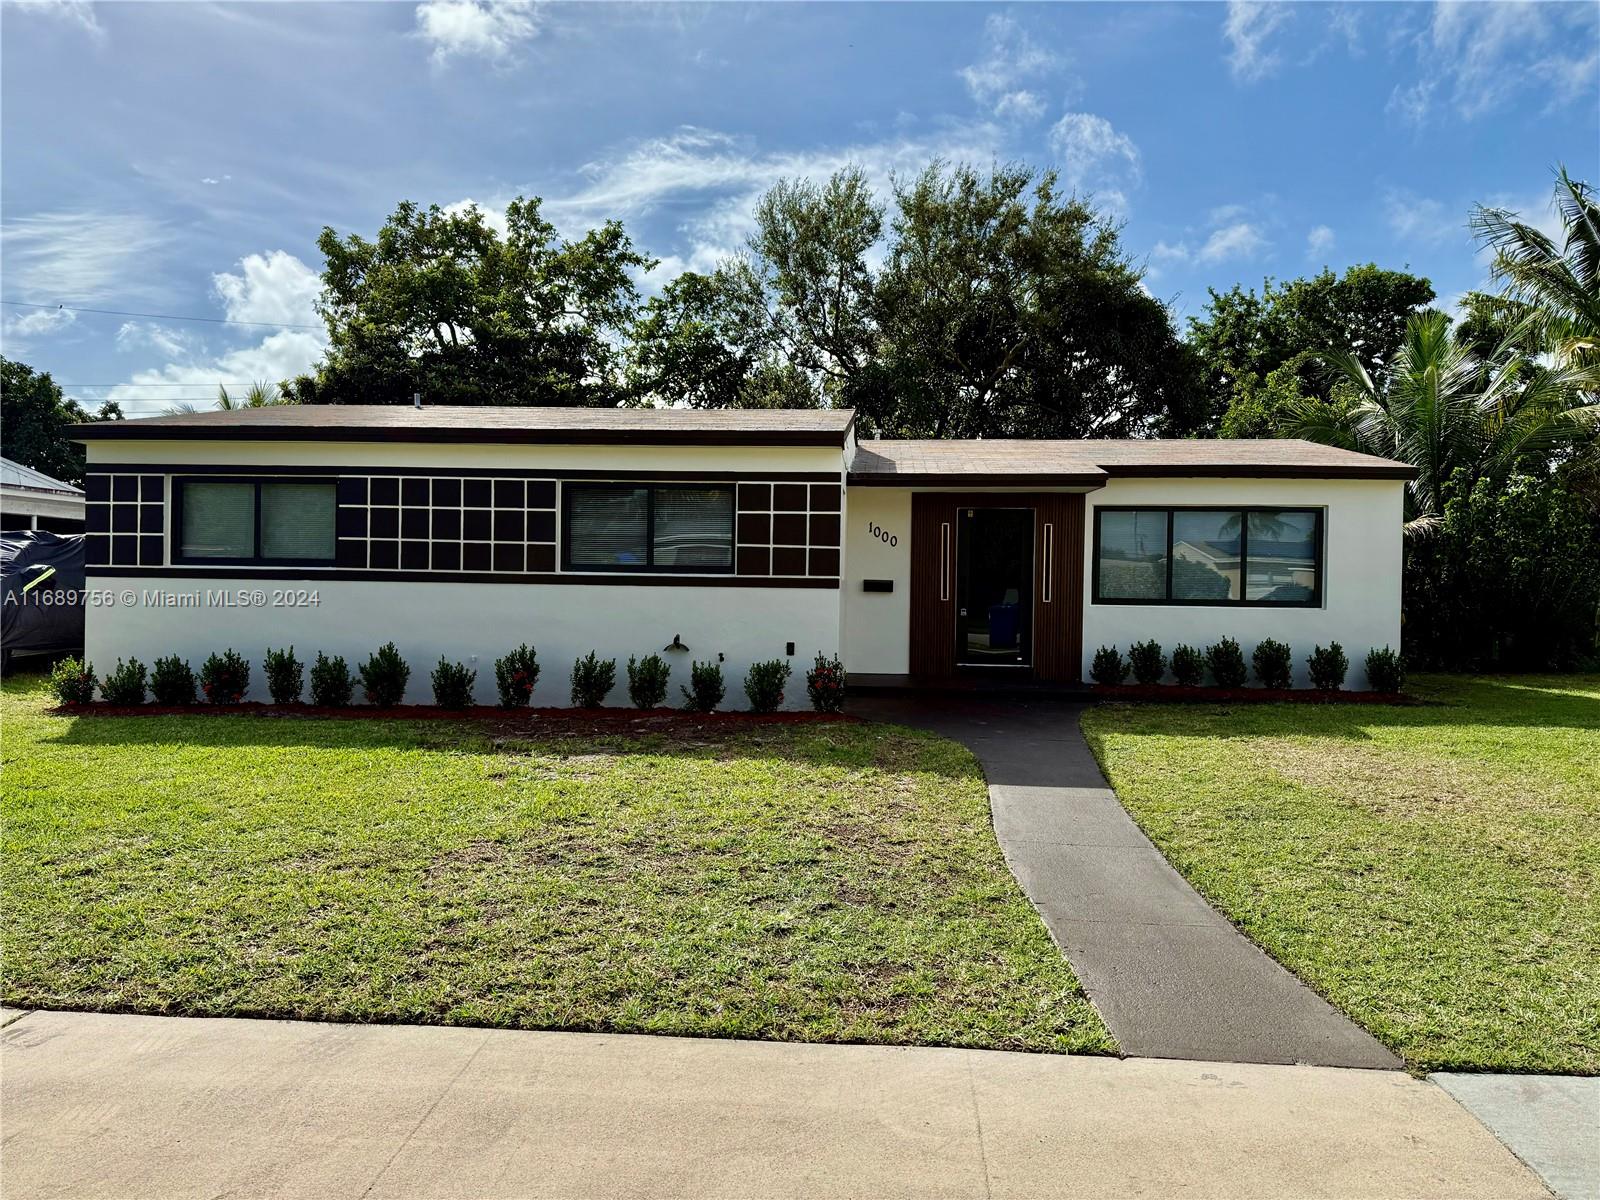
172,682
764,683
1328,667
125,684
1188,665
452,684
825,684
1148,663
224,678
332,684
592,680
647,680
1274,664
1386,671
285,675
1108,669
72,681
706,688
515,676
384,677
1226,661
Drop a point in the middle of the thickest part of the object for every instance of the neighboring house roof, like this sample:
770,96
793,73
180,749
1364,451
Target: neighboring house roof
494,425
989,463
15,475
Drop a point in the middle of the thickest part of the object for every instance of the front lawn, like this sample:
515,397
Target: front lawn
828,882
1432,870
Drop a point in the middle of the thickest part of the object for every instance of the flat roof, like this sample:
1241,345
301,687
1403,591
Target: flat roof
1003,462
494,425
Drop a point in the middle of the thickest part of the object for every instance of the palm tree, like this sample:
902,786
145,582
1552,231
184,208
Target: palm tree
1444,410
1559,287
260,395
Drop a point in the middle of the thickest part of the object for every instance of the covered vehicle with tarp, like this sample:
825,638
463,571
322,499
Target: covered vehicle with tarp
42,607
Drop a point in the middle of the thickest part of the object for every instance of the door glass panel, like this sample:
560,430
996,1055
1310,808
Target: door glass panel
994,605
1205,555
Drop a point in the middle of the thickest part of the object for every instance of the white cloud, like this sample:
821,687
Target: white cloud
1239,240
19,327
1094,156
720,178
74,12
1414,218
1319,241
1011,58
1249,27
1477,57
81,257
273,288
491,29
276,288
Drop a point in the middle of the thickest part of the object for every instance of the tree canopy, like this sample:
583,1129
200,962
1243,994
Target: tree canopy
1263,351
35,414
444,304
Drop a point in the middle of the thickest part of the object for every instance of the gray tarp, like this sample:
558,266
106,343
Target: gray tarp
48,615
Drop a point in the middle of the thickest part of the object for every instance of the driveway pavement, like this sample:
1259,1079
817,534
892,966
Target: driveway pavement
128,1107
1552,1122
1171,976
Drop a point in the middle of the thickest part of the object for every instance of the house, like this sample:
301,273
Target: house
737,535
31,499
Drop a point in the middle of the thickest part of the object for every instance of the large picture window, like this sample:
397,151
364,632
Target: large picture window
647,527
255,521
1216,556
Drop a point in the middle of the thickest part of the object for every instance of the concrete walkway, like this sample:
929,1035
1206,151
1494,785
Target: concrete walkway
1551,1122
131,1107
1170,975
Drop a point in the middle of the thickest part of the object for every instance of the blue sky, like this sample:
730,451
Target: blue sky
180,158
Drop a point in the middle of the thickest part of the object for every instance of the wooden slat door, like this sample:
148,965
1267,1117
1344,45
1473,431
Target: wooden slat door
1057,588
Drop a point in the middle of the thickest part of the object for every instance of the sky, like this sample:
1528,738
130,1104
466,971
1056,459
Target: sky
180,159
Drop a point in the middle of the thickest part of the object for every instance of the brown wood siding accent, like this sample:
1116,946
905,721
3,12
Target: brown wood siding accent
1058,595
1058,580
933,598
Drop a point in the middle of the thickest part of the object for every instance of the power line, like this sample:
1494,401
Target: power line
164,383
117,312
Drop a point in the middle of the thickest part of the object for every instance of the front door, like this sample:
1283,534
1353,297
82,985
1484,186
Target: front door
994,587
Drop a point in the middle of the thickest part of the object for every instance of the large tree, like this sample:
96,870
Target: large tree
1264,351
978,304
445,305
35,414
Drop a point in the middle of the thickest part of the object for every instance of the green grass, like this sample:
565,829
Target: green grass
1433,870
835,882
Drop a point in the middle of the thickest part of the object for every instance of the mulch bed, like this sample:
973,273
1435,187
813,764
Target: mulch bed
546,720
1171,693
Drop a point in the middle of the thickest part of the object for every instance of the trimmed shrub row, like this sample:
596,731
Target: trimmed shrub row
225,678
1271,660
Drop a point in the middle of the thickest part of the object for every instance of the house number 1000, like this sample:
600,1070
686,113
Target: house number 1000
883,535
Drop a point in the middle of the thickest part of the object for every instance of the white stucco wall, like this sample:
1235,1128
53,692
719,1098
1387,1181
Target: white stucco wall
877,625
466,620
462,620
1361,573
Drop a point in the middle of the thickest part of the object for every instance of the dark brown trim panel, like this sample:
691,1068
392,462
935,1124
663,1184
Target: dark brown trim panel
124,431
313,575
969,480
1266,471
451,472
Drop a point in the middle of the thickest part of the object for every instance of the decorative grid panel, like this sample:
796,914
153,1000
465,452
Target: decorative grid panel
788,529
447,523
124,520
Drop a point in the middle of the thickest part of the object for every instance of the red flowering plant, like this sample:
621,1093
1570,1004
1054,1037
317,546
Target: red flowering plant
825,683
515,676
224,678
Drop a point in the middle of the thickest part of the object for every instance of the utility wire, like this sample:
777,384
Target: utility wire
116,312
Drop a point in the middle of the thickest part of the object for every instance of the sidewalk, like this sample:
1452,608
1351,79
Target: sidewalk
128,1106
